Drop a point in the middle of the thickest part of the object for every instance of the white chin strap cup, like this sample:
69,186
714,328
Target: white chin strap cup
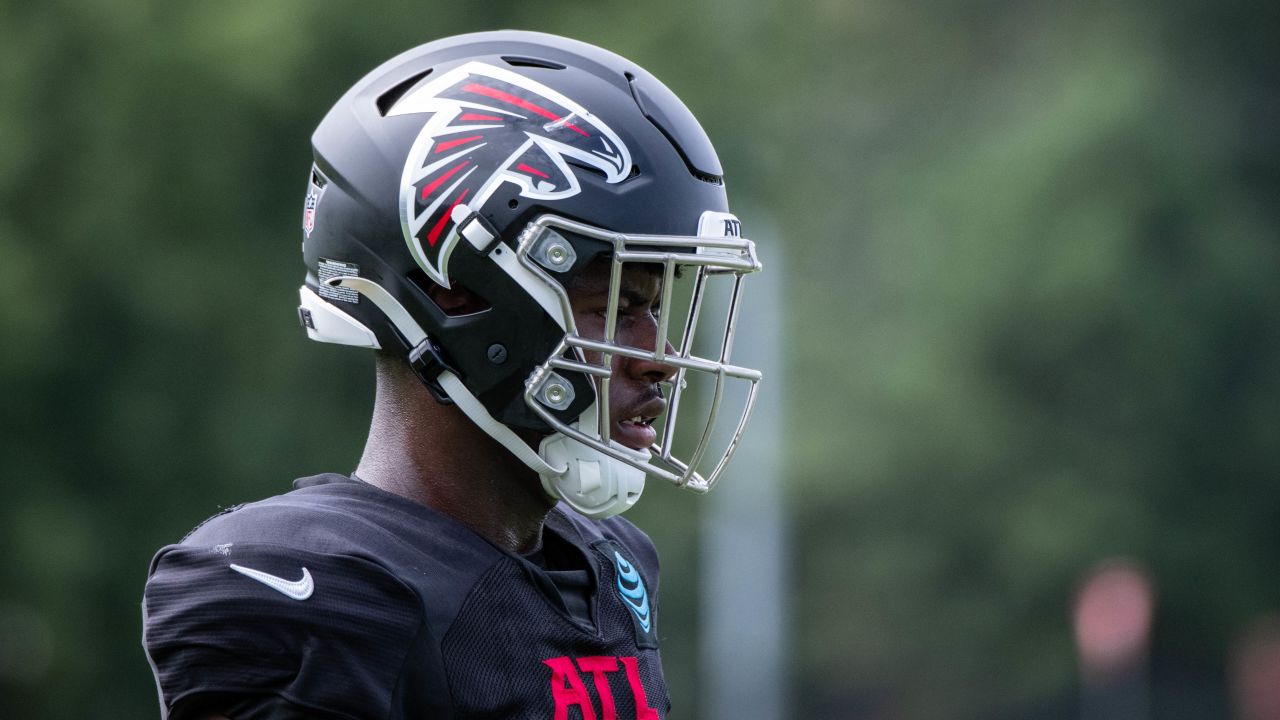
594,484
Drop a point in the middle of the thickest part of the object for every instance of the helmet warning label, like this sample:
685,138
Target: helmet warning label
330,269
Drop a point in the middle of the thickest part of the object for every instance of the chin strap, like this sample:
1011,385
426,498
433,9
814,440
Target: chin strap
472,408
586,479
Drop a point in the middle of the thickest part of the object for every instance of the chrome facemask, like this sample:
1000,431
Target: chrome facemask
701,385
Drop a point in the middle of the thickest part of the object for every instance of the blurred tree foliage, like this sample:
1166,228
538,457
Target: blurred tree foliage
1032,256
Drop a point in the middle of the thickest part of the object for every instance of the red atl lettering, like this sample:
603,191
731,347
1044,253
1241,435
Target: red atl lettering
567,688
643,711
598,666
574,693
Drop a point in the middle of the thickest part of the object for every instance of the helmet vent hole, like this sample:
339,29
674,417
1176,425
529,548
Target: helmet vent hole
520,61
585,167
389,98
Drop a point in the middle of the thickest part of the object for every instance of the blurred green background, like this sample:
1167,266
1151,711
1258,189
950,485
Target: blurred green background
1031,294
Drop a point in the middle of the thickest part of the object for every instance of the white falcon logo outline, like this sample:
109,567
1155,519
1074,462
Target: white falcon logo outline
488,126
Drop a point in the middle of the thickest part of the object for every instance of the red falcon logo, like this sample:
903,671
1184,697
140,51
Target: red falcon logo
489,126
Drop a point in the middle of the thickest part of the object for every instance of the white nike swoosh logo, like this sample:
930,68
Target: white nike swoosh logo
296,589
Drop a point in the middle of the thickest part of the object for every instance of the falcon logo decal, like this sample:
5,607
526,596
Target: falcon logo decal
489,126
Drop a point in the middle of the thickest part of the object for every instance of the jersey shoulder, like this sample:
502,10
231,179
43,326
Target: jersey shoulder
259,619
326,513
317,596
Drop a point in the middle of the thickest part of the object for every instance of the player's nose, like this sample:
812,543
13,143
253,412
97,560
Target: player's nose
652,369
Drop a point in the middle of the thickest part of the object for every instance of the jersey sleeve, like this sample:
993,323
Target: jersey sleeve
328,634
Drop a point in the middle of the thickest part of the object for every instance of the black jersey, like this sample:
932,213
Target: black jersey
340,600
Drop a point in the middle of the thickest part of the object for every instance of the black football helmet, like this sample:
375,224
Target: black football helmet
507,162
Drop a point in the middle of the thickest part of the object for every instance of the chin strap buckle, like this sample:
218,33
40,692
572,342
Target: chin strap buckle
426,359
474,228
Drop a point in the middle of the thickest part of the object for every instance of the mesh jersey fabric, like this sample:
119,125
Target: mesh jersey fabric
411,615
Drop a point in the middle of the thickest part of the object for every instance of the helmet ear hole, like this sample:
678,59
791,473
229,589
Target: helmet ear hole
455,301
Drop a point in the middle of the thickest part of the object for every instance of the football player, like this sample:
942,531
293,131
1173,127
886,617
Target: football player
523,227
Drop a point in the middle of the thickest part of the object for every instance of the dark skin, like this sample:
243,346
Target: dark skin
434,455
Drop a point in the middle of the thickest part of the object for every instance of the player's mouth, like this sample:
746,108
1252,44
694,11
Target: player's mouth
636,430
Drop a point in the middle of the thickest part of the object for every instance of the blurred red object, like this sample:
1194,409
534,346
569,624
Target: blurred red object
1254,671
1112,616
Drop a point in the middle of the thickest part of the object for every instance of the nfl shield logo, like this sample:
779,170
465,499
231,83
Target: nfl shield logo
314,192
309,210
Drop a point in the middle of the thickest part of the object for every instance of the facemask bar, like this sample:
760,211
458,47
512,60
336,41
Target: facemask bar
706,256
